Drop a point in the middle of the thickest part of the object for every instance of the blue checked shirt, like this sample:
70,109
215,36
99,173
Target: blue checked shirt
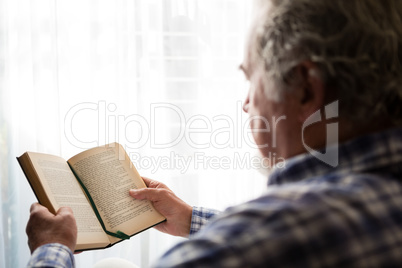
52,255
311,215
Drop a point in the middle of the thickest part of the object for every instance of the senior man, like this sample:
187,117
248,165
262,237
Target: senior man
342,58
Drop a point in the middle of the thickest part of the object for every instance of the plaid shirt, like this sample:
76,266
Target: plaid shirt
312,215
52,255
200,217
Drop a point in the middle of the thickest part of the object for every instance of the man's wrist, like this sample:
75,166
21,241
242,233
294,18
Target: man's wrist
186,223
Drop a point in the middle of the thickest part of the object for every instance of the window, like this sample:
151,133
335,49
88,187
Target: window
159,77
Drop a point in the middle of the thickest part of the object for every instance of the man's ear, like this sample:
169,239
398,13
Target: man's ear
311,89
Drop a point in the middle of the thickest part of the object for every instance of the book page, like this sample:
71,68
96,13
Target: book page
108,175
63,189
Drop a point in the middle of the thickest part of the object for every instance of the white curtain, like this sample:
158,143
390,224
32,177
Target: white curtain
158,76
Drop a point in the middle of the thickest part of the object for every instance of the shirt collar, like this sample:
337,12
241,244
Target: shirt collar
372,152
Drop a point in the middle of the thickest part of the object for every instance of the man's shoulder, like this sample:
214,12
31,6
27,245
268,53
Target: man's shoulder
313,221
332,202
313,192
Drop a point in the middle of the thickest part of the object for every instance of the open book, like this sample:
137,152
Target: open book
95,185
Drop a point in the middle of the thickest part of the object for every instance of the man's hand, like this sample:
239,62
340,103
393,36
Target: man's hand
177,212
43,227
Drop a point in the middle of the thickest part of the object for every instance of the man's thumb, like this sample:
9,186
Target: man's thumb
64,211
145,193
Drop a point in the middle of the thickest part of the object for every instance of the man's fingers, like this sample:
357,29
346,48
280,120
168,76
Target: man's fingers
64,211
137,193
147,181
145,193
154,184
38,214
38,208
34,206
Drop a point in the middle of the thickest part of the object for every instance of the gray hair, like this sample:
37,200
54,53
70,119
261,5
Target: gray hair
355,44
